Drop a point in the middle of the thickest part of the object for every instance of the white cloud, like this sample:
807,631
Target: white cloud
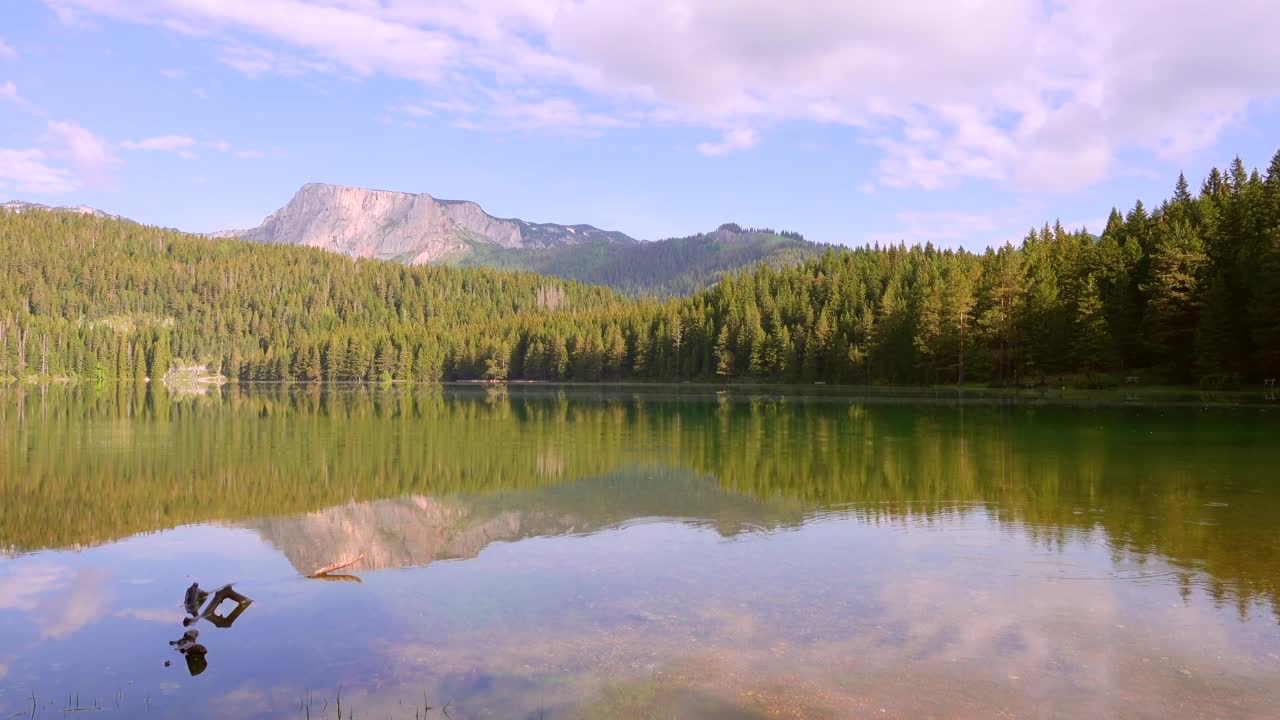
65,158
187,155
30,170
68,157
164,143
162,616
6,51
89,154
173,74
223,146
733,141
83,603
1027,93
414,110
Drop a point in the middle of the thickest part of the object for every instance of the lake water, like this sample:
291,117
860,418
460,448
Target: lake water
664,553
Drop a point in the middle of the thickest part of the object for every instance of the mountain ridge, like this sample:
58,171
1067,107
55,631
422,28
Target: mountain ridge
419,229
20,206
413,228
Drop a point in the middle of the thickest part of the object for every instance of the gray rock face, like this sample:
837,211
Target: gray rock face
409,228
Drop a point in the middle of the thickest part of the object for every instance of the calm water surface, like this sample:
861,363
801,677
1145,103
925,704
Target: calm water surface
586,553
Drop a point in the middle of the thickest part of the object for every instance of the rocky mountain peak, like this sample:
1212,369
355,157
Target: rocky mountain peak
406,227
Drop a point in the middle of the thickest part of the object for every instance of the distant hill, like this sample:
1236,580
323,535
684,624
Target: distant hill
418,229
676,266
20,206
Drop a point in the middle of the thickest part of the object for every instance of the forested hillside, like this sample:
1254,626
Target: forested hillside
1184,292
676,266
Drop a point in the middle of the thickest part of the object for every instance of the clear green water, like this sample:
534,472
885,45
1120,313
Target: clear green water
621,553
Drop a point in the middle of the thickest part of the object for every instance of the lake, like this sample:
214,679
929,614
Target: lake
544,552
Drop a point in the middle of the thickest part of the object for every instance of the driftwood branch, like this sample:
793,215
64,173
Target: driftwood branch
336,566
226,592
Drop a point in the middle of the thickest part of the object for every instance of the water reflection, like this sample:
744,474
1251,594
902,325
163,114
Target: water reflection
544,555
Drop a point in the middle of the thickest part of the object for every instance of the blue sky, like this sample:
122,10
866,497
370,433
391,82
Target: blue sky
960,123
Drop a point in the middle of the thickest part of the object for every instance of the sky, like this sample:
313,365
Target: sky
957,122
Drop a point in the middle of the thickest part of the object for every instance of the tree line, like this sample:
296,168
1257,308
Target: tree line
1186,292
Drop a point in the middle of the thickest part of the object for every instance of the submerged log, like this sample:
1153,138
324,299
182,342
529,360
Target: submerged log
336,566
226,592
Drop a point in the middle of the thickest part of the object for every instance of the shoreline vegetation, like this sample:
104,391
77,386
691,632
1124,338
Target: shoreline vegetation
1186,294
743,390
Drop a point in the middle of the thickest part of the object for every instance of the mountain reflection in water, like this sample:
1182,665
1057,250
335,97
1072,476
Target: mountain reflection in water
632,554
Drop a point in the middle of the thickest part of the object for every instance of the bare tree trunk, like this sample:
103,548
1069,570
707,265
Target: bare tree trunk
22,351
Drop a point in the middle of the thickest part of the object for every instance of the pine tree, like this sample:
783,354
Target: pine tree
1265,313
160,359
1215,339
1174,298
724,354
1004,303
313,369
1093,346
960,301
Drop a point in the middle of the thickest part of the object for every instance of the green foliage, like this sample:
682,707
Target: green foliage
668,267
1187,290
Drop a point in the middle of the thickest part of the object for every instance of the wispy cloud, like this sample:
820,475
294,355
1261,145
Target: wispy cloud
163,143
733,141
173,73
161,616
31,170
413,110
89,154
225,147
65,158
6,51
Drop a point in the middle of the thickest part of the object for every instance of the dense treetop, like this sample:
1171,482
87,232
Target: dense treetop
1187,291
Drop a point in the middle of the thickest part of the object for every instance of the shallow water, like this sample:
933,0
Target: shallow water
567,553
